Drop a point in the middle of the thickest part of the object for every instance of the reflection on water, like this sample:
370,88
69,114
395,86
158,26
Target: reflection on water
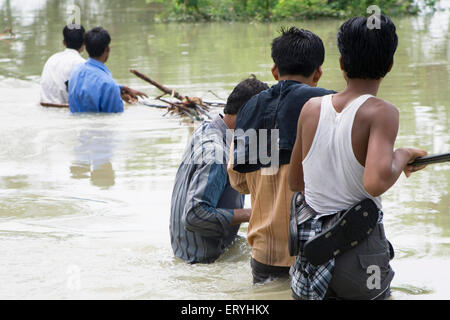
92,192
92,157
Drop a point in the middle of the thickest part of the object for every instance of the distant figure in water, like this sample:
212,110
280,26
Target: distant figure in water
343,161
91,85
58,67
206,211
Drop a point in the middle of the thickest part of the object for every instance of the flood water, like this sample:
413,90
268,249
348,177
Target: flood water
84,200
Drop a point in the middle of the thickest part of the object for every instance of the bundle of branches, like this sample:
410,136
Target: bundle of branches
192,107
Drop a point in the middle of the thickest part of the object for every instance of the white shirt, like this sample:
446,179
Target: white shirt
332,174
56,72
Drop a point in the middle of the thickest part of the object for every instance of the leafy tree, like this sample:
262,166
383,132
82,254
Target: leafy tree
195,10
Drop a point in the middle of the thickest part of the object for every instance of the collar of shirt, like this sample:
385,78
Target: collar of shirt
72,51
219,124
99,65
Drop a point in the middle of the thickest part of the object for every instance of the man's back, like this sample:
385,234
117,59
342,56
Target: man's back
343,159
56,73
92,89
350,123
203,201
335,141
268,226
276,108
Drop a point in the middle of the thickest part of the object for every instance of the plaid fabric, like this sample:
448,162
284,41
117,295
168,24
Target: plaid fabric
310,282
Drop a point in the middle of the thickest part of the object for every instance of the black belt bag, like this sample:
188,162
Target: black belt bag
347,230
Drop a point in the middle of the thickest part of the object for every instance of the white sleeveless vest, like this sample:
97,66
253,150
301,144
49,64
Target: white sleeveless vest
332,174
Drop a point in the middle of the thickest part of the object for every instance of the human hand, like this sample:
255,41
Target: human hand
131,95
413,155
241,216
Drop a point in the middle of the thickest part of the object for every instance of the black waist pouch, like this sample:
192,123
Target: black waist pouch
340,232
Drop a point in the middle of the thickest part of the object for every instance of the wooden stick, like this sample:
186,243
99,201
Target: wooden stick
54,105
158,85
147,104
210,91
160,96
204,112
168,102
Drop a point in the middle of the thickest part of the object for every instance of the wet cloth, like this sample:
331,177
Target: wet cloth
56,73
202,199
263,273
275,108
93,89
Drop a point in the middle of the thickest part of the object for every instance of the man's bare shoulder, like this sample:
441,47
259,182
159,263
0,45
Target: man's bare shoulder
380,105
379,109
311,108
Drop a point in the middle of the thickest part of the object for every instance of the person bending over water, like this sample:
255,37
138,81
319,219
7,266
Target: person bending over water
343,156
91,86
206,212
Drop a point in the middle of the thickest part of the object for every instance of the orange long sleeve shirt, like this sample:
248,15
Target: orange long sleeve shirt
268,229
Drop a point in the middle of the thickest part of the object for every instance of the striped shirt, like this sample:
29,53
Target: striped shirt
202,198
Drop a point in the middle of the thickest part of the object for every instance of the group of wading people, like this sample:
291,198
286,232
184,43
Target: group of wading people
86,86
316,211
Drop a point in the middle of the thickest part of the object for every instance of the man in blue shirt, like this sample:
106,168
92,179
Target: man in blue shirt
91,86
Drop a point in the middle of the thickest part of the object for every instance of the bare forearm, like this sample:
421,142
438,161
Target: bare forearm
386,178
401,158
383,167
399,162
241,216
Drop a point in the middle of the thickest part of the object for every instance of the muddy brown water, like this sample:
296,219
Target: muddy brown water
84,200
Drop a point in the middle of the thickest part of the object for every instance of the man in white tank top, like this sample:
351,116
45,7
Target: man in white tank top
344,153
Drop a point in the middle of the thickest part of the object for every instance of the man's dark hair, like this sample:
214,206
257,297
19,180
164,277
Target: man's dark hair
297,52
367,53
243,92
74,37
96,41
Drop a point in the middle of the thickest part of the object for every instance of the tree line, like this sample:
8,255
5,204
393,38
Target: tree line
270,10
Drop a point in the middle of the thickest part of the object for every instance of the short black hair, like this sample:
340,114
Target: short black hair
367,53
97,40
297,52
243,92
74,36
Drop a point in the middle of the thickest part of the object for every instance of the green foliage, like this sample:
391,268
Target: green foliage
195,10
340,8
